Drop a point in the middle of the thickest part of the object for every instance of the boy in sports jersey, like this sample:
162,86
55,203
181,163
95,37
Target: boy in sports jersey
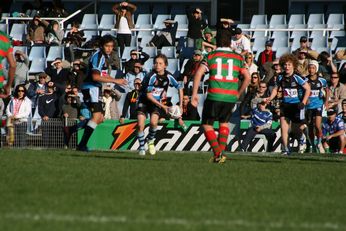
97,74
317,99
224,67
333,132
152,100
296,92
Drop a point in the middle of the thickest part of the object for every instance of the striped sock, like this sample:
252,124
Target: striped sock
152,133
223,136
141,140
212,140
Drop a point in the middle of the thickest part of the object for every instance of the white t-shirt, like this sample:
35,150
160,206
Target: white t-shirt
124,26
241,44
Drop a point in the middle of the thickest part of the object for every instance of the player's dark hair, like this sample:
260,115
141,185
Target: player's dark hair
223,40
162,56
106,39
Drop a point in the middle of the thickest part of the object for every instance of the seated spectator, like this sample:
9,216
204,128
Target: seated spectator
327,66
261,122
55,34
77,74
240,43
136,55
342,73
304,45
190,70
18,111
73,40
337,92
70,109
342,114
58,75
266,58
303,64
131,102
245,106
22,68
195,26
137,73
333,133
110,99
250,64
208,41
36,31
35,90
48,103
165,37
189,112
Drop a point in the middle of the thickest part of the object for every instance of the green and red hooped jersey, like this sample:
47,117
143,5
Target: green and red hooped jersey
5,48
224,69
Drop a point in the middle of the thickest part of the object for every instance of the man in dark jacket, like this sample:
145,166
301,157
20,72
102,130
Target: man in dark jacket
166,37
58,75
189,112
131,101
48,103
195,27
136,56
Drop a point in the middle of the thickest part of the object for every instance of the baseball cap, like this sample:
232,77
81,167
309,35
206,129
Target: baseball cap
331,111
197,10
207,31
269,43
303,39
315,63
57,60
238,31
169,21
197,52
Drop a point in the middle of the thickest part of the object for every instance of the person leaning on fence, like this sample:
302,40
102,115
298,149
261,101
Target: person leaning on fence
18,111
261,122
165,37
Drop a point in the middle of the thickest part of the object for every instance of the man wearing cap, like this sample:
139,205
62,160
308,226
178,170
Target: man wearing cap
261,122
195,26
58,75
22,67
207,42
333,133
240,43
136,73
304,45
266,58
37,89
337,92
303,64
318,97
135,56
190,70
166,37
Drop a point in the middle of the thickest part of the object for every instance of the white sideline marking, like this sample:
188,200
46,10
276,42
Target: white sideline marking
165,221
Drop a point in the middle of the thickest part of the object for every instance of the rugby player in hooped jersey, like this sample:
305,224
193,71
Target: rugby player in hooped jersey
152,101
224,67
296,92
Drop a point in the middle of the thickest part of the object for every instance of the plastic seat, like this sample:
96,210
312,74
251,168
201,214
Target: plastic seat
169,51
110,32
159,20
282,50
18,31
107,21
89,34
319,42
280,42
89,21
143,19
277,19
173,67
280,34
38,65
181,19
55,52
127,51
151,51
295,44
182,33
257,34
258,20
296,19
37,52
334,34
3,27
186,52
315,19
298,34
142,33
320,49
335,19
183,66
145,40
259,43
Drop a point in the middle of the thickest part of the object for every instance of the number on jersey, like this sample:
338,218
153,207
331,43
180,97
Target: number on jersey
229,75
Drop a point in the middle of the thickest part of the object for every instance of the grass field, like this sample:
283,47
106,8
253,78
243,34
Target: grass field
68,190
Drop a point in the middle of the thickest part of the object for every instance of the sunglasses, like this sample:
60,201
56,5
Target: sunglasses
138,84
254,77
263,87
20,90
334,77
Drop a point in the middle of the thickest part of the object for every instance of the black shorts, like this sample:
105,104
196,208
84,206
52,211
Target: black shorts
146,108
310,114
334,144
216,111
292,112
93,100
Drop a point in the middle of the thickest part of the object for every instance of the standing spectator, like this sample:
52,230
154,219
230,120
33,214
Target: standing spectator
333,133
136,56
124,24
207,42
77,74
225,28
327,66
240,43
48,103
165,37
337,92
55,34
296,92
304,45
195,27
137,73
190,70
250,64
18,111
36,31
58,75
261,122
110,99
266,58
73,40
35,90
131,102
22,68
189,111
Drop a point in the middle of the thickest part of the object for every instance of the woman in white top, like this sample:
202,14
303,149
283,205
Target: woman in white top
249,63
124,23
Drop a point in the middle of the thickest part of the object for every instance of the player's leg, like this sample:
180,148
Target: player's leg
97,118
211,137
140,132
154,119
284,135
341,144
318,128
224,114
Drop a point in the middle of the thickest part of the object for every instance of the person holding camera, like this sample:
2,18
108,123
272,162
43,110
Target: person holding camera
137,73
73,40
70,109
135,55
77,74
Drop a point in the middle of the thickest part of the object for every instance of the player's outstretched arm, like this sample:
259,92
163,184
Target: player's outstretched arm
107,79
196,81
307,89
11,72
